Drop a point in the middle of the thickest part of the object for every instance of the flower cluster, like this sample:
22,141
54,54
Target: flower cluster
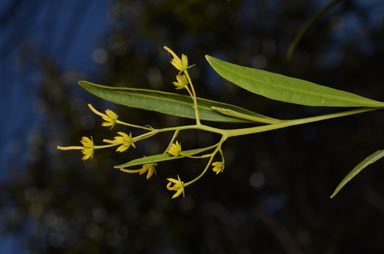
123,141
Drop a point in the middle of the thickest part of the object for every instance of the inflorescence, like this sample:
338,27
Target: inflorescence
124,141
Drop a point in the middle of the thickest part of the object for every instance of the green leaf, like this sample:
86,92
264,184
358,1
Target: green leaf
308,25
286,89
356,170
167,103
162,157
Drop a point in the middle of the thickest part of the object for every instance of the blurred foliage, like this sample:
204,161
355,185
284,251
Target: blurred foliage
273,194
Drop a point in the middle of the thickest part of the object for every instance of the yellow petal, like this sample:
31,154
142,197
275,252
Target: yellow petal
151,172
122,148
108,141
69,147
107,124
171,180
95,110
178,192
123,134
88,153
112,115
87,142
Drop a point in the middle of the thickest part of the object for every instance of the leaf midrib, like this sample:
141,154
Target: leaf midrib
148,96
164,97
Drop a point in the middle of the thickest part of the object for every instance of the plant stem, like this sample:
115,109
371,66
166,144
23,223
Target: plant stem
218,148
134,125
287,123
194,98
105,146
172,140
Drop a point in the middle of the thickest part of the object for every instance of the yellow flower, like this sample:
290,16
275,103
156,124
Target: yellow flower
181,82
176,185
218,167
109,117
124,140
149,168
174,149
87,149
179,64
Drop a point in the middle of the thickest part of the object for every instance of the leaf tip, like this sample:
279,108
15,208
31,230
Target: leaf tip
83,83
338,189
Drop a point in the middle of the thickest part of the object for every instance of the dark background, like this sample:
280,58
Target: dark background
273,196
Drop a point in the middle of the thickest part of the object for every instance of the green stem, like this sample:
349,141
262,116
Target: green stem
187,127
194,98
218,148
130,170
196,156
287,123
252,130
105,146
134,125
229,112
145,135
222,155
172,140
190,93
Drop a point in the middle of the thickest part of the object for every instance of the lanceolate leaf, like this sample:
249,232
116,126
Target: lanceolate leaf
166,103
308,25
356,170
162,157
283,88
